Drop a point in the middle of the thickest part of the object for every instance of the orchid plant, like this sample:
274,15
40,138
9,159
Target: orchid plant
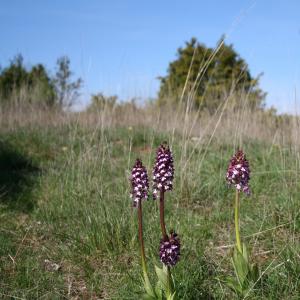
246,274
139,191
169,249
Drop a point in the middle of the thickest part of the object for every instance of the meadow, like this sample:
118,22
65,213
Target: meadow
69,231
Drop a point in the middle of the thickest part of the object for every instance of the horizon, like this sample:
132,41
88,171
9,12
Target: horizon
121,48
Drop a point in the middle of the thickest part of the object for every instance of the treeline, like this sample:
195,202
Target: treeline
201,77
20,86
204,78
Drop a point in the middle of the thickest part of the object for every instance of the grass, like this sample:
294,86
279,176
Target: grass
68,229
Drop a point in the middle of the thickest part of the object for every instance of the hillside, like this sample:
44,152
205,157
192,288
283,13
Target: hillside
68,228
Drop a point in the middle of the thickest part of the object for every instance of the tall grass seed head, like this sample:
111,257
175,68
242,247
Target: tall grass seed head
238,172
139,183
169,250
163,171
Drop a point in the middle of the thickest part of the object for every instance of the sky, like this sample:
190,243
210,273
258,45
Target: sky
121,47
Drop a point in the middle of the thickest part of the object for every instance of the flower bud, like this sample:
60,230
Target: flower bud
163,172
169,250
238,173
139,183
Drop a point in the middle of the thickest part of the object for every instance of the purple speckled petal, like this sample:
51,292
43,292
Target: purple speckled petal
163,171
169,251
238,173
139,183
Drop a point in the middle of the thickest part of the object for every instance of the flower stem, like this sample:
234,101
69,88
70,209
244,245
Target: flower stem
236,221
169,291
140,218
162,215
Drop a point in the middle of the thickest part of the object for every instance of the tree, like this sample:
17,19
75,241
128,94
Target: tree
209,75
67,91
42,85
12,78
101,102
21,86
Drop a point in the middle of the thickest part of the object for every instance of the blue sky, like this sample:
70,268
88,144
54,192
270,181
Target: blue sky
120,47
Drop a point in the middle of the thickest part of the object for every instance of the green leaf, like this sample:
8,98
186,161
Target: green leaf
255,272
171,297
162,275
165,282
159,291
240,266
148,288
147,297
247,275
245,253
233,284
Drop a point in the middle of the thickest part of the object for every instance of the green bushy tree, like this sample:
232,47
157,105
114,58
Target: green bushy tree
209,76
19,85
100,102
67,91
43,85
13,77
